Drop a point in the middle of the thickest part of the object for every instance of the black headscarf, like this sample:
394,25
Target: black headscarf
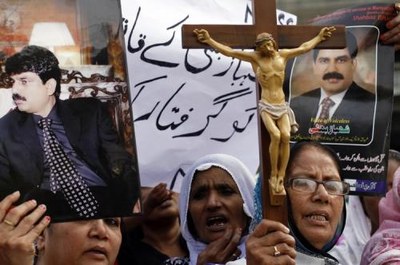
302,244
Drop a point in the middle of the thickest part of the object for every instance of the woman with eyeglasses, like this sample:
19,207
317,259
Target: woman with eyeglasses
316,204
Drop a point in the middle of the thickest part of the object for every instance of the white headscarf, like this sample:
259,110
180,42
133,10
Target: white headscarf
244,180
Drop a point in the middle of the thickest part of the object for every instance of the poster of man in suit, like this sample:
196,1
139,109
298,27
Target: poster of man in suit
68,140
346,78
343,97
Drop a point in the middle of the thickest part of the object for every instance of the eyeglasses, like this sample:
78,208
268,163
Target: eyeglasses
306,185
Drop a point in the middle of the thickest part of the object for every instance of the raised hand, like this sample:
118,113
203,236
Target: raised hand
20,226
392,36
223,249
270,243
326,32
202,35
157,196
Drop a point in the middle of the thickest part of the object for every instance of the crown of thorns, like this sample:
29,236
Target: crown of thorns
262,37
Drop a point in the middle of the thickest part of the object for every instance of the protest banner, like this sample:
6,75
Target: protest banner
188,102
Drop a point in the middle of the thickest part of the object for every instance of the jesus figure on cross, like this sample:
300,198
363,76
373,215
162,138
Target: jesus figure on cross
268,63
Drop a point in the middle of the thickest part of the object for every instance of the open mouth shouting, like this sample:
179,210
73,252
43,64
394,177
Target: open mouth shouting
216,223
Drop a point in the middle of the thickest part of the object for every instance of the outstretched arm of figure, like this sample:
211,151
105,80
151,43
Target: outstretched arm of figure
324,34
204,37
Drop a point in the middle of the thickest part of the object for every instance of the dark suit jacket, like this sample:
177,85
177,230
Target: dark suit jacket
91,134
356,110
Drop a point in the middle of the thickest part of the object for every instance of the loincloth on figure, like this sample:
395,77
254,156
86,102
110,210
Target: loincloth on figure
276,111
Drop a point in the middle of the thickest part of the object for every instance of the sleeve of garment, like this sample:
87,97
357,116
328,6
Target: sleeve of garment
5,177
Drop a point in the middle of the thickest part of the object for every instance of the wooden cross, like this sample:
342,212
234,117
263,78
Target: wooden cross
243,37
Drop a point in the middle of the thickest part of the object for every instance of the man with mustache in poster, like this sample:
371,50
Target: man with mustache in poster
349,112
62,153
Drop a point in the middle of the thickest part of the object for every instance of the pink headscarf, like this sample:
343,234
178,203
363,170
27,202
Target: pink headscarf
384,245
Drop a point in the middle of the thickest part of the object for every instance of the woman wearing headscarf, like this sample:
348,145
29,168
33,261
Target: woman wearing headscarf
384,245
315,201
362,219
216,208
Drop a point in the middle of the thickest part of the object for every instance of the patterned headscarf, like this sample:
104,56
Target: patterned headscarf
384,245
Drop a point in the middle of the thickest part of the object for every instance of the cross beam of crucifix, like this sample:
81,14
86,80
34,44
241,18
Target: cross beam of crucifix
264,18
243,37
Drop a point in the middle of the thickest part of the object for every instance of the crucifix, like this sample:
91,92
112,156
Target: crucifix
264,31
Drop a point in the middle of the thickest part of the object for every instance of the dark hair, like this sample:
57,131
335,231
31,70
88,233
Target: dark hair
351,45
302,145
301,242
38,60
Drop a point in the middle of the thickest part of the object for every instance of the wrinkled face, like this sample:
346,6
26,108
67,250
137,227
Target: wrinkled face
334,70
215,204
31,95
316,214
90,242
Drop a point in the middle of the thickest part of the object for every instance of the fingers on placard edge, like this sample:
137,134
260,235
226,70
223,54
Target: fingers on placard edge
28,221
17,213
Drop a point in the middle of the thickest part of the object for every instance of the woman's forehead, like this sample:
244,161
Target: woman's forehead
212,175
312,157
307,151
